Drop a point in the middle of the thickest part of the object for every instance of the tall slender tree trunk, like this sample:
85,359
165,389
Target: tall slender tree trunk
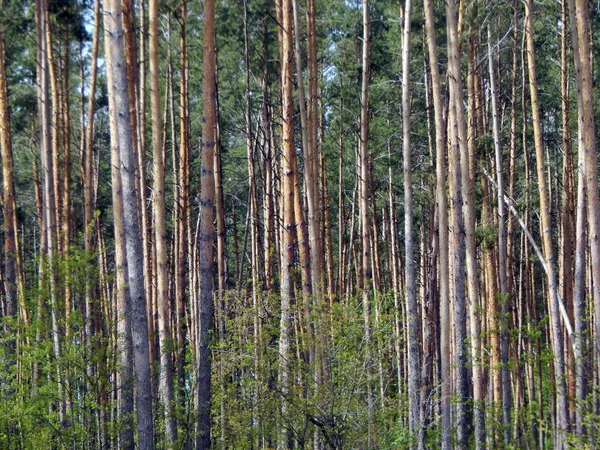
473,284
308,232
586,195
55,128
48,184
88,178
65,111
561,424
253,215
341,206
288,233
461,212
207,231
222,270
442,211
13,287
582,52
123,303
136,77
311,166
165,377
414,363
363,183
504,299
182,207
567,211
119,104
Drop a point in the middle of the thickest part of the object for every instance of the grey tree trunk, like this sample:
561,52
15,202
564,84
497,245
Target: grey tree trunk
206,231
119,107
546,232
288,201
414,363
506,388
461,211
124,337
442,211
580,22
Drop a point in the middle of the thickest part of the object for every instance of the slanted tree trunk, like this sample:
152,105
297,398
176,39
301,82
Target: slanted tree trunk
561,424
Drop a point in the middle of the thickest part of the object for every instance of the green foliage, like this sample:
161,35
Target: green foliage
247,395
50,402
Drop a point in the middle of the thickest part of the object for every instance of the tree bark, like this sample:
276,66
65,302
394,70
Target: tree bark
580,21
414,363
207,231
13,287
504,296
461,212
182,208
363,182
442,211
165,377
561,425
473,284
123,303
119,104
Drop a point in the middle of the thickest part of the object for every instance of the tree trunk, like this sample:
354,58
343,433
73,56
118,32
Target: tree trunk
567,211
504,298
311,162
182,208
474,295
288,200
442,211
580,22
48,184
363,182
119,107
13,287
561,425
123,304
165,377
460,213
414,363
207,231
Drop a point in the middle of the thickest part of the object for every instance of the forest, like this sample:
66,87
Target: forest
260,224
